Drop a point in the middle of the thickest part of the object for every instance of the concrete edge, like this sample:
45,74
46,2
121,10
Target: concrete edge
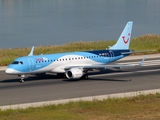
90,98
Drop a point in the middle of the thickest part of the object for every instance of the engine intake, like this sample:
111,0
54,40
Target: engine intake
74,73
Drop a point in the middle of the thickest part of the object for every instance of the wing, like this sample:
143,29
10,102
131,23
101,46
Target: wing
98,67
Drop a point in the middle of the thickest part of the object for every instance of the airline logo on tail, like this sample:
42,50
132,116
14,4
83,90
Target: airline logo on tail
126,41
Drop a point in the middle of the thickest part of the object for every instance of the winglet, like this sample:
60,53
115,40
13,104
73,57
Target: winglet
141,61
31,52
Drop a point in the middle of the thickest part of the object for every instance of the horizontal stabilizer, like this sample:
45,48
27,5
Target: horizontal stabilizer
126,53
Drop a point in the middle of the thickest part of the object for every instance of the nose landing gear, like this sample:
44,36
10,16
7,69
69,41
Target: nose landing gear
22,78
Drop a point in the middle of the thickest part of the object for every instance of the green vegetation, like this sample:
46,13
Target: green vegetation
145,42
143,107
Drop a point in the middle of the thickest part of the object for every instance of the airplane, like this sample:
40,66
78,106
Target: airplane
74,65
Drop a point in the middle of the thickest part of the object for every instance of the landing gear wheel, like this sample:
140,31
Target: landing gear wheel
22,81
22,78
85,76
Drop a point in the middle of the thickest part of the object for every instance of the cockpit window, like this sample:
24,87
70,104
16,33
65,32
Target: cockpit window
17,62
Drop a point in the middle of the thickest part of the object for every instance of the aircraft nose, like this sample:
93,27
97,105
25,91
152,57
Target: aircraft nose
10,71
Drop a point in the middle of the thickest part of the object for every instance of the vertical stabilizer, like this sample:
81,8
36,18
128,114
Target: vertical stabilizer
124,39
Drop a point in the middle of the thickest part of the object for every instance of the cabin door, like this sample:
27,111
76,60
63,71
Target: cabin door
31,64
111,56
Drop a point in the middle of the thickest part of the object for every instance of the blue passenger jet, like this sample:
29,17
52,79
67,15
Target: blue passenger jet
74,65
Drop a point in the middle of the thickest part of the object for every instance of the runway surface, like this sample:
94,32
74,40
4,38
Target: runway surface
49,87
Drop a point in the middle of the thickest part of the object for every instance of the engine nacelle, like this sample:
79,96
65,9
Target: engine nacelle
74,73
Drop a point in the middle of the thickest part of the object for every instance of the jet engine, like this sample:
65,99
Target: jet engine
74,73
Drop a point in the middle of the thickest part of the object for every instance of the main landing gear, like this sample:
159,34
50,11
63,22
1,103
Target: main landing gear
85,76
22,78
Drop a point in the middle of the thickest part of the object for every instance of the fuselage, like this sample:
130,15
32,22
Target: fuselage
57,62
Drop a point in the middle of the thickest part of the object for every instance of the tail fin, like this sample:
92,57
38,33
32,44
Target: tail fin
124,39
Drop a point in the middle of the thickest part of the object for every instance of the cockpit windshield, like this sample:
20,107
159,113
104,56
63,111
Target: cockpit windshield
17,62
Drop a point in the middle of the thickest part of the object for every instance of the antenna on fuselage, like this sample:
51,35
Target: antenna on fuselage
31,52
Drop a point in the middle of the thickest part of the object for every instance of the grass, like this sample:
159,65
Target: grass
143,107
145,42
